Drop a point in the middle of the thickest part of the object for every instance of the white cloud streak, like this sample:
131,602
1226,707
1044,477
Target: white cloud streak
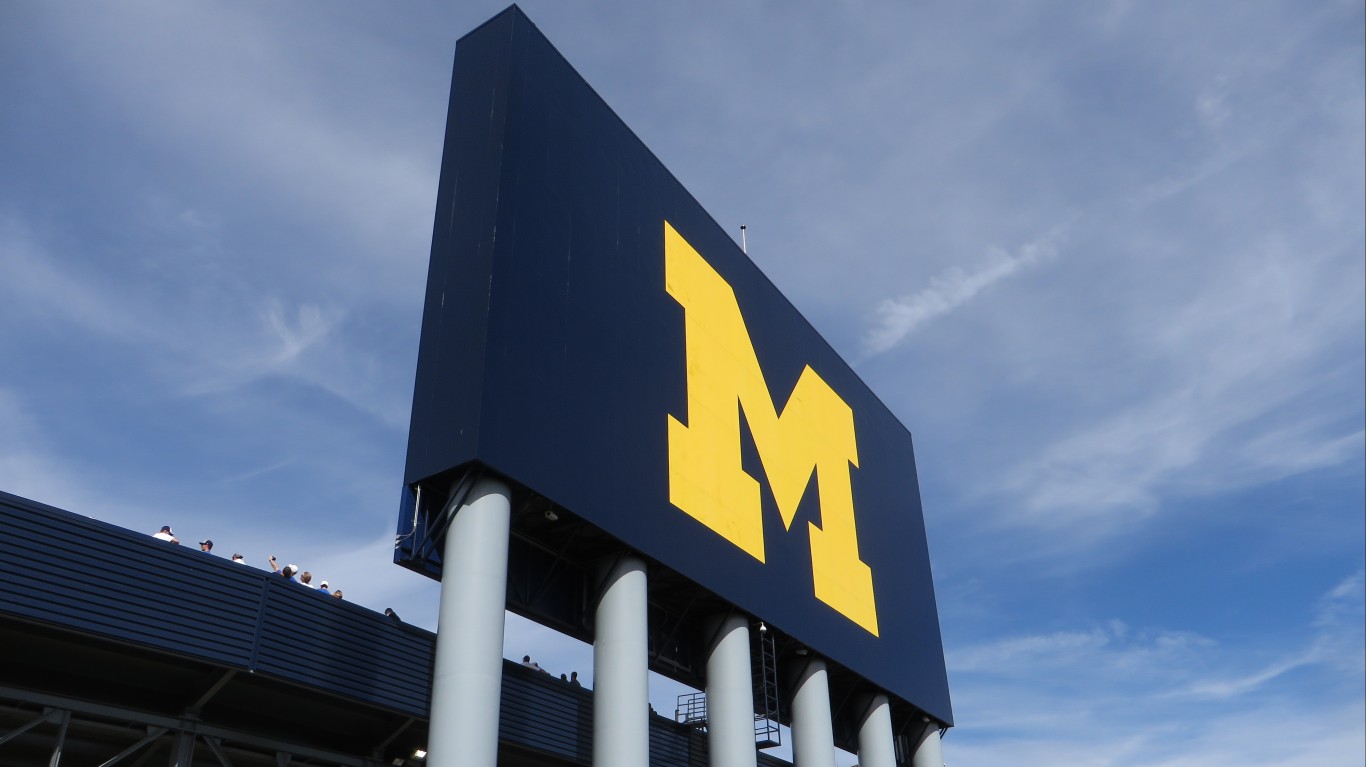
898,318
1116,696
1250,366
35,288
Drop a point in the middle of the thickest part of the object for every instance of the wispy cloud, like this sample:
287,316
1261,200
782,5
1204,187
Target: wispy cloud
1113,695
36,288
1110,650
1191,382
26,466
305,150
33,466
216,336
1315,735
1163,661
278,345
1223,689
309,326
899,317
1255,391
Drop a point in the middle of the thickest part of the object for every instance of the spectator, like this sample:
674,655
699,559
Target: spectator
206,545
323,587
529,663
239,559
337,594
393,616
289,572
165,534
574,678
307,579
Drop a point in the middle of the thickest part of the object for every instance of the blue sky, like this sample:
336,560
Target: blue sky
1104,259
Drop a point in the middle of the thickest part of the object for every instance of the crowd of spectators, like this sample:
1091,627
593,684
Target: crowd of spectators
292,573
572,679
289,572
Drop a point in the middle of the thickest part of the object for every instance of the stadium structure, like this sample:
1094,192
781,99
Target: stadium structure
135,651
621,430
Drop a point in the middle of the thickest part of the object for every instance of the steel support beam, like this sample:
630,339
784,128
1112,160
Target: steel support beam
182,754
379,750
216,748
144,718
203,700
46,716
152,734
61,740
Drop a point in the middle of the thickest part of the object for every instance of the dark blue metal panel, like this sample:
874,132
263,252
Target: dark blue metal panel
313,639
89,576
541,712
552,354
454,339
671,744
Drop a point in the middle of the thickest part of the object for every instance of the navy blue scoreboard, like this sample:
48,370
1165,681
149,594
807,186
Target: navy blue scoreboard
593,337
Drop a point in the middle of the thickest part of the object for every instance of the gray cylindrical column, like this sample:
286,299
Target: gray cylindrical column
467,676
730,696
929,753
875,747
813,736
621,684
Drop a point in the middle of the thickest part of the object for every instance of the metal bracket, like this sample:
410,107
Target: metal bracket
436,529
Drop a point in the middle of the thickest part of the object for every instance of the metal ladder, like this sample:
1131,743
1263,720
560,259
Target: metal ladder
764,662
691,708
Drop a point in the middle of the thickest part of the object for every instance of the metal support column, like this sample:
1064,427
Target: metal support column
730,696
61,739
875,745
813,735
216,748
47,716
467,673
621,684
182,753
152,734
929,754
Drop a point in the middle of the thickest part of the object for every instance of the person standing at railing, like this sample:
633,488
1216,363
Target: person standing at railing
289,571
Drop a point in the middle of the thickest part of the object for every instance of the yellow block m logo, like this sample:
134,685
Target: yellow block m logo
813,434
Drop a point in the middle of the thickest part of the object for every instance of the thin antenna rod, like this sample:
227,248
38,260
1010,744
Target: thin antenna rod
744,248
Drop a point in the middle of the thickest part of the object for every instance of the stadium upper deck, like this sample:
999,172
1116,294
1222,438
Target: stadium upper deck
117,647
